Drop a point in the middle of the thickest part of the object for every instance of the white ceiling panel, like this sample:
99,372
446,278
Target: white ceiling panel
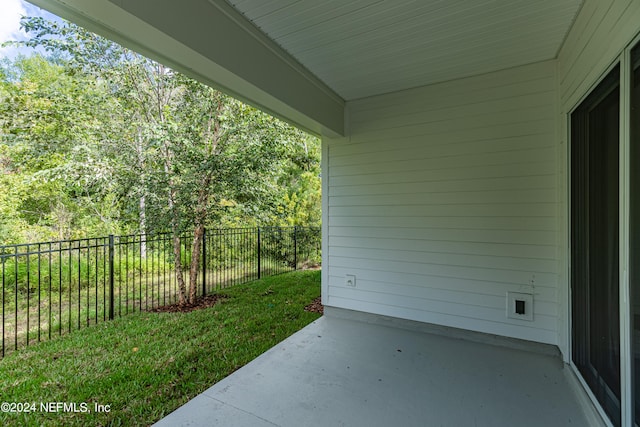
361,48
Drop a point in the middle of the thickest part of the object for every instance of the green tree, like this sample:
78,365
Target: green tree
108,132
301,184
56,165
187,153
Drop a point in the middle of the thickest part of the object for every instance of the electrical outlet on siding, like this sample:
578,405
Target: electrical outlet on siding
350,280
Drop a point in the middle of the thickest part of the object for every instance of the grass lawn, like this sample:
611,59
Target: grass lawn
145,365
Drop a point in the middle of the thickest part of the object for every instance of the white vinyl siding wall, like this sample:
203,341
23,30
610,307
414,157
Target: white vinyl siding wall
443,198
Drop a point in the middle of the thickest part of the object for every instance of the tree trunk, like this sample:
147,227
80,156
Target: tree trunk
143,198
196,249
182,288
175,228
143,226
212,135
195,261
177,249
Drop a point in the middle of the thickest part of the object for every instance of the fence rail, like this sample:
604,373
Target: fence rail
52,288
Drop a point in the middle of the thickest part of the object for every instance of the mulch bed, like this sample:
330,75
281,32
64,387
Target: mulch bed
201,302
315,306
210,300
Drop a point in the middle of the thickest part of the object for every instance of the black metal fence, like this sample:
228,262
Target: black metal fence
52,288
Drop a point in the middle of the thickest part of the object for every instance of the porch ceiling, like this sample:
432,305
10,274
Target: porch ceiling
362,48
302,59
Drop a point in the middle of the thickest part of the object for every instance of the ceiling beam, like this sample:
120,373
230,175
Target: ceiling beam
213,43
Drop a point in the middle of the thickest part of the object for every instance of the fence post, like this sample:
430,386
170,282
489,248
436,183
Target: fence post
204,261
259,250
295,247
111,274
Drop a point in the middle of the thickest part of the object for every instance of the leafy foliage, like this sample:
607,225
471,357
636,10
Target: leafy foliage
96,139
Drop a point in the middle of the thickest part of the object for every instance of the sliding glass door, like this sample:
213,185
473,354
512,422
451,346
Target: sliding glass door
605,240
634,225
595,147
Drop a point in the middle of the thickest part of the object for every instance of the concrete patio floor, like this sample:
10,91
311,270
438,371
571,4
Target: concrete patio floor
343,372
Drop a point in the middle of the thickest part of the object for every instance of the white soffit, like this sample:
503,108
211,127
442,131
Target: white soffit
361,48
210,41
